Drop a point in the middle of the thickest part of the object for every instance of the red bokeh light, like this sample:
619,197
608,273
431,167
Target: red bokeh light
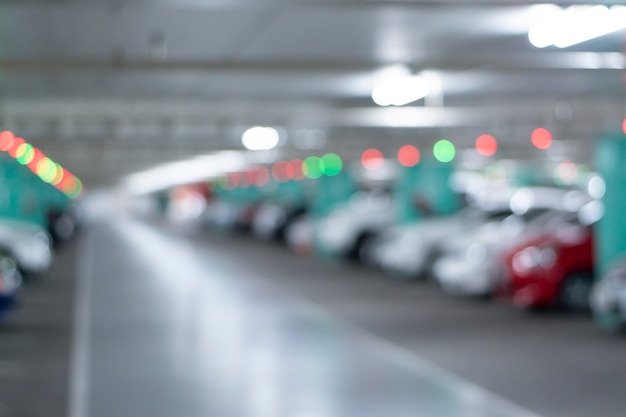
541,138
233,180
261,175
624,126
16,144
69,183
295,165
486,145
408,156
372,159
37,157
6,140
251,175
279,171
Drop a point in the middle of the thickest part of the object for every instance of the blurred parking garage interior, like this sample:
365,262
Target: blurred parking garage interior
312,208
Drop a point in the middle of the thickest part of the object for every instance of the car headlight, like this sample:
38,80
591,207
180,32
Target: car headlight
533,257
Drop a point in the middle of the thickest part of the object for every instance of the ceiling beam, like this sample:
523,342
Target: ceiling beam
539,60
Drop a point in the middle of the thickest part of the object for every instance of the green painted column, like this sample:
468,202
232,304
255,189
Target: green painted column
332,191
610,231
290,192
425,190
24,196
404,193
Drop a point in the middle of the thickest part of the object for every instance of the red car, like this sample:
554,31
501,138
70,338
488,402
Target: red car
553,268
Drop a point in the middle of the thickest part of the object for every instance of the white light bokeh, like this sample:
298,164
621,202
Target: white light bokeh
576,24
260,138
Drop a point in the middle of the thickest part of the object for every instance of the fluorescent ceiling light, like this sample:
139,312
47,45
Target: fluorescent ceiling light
184,172
400,91
578,24
260,138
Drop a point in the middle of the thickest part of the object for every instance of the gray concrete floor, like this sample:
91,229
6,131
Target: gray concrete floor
35,341
181,322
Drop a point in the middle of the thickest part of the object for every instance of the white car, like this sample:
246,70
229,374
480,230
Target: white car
471,263
608,297
300,235
407,251
223,214
10,283
349,229
28,244
272,219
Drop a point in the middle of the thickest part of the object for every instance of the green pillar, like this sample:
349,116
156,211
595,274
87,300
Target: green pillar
425,189
610,231
404,194
331,192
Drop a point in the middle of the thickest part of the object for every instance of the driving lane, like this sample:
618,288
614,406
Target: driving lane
171,323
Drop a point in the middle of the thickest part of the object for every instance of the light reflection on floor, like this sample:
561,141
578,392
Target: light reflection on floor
182,332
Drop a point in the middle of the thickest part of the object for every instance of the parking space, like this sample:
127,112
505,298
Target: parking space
36,343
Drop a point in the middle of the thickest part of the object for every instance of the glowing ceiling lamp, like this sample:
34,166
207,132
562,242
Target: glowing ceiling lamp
260,138
578,24
400,88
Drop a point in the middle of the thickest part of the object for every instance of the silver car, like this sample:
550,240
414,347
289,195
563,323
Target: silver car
28,244
407,251
471,263
608,297
349,229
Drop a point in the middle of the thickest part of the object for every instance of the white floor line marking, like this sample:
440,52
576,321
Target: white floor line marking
409,360
79,383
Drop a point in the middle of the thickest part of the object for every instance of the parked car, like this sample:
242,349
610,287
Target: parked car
224,215
473,262
10,284
407,251
300,235
553,268
272,219
64,223
30,245
349,230
608,297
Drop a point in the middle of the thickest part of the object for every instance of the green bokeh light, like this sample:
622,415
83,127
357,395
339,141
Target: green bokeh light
331,164
25,153
312,167
444,151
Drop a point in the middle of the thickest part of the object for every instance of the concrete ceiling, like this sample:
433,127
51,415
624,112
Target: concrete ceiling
108,88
